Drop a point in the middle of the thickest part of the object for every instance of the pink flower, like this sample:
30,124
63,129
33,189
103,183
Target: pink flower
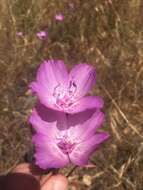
59,17
60,139
59,90
19,34
42,35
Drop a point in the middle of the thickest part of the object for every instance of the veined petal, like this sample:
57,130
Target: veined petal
92,125
43,94
83,75
78,119
40,126
48,155
37,123
50,74
47,121
81,153
50,116
89,102
85,124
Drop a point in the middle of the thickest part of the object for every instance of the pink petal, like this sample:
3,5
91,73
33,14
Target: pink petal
50,74
37,123
48,125
83,76
42,127
80,155
48,155
19,34
91,125
89,102
42,35
43,93
80,118
59,17
50,116
85,124
47,121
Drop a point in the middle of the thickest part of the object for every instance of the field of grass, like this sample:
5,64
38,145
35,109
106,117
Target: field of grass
105,33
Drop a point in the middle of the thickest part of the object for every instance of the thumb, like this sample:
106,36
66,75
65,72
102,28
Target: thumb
56,182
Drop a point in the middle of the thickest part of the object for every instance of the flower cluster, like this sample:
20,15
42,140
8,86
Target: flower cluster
43,34
65,121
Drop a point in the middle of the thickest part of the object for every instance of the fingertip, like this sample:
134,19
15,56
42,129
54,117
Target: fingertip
22,168
56,182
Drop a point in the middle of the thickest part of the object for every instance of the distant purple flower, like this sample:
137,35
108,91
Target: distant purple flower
59,17
42,35
60,139
19,34
71,5
63,91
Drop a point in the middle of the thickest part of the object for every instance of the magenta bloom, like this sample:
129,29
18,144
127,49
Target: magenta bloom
42,35
63,91
60,139
59,17
19,34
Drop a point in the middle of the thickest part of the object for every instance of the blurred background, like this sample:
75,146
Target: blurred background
105,33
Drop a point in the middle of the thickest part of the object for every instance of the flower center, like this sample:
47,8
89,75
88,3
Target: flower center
65,96
65,145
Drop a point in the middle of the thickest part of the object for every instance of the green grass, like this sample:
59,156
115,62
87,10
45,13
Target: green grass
105,33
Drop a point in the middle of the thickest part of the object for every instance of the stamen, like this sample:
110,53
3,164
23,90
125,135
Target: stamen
59,92
72,88
65,147
64,98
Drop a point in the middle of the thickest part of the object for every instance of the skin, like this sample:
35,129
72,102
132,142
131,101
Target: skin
47,182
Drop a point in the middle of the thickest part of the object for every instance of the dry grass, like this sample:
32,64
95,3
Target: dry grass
105,33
